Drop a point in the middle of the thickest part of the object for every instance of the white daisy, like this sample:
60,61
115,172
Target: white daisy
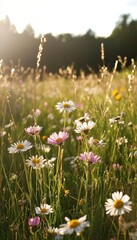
55,233
85,118
20,146
50,163
74,225
118,205
44,148
117,119
93,141
65,106
36,162
44,209
84,127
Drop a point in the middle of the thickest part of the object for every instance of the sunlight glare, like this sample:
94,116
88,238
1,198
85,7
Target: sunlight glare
59,16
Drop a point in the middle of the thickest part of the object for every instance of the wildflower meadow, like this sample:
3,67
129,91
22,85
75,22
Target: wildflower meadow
68,152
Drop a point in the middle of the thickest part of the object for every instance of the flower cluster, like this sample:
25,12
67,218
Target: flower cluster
118,205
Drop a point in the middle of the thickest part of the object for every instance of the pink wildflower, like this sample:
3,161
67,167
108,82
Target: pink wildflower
35,130
56,139
37,113
34,222
79,138
89,157
116,166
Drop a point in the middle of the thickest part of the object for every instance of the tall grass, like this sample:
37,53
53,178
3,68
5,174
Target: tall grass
71,187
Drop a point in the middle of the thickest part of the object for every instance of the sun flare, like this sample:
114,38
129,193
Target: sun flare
75,17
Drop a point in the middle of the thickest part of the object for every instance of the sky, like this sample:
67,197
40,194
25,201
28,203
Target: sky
67,16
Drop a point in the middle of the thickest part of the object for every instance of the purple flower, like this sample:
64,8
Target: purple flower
34,222
89,157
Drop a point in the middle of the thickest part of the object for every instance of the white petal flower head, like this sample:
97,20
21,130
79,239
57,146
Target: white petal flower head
84,127
74,225
66,106
20,146
117,119
36,113
55,233
118,205
44,209
33,130
50,163
93,141
85,118
36,162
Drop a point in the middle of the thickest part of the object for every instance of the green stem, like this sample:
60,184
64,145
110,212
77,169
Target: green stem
88,183
65,120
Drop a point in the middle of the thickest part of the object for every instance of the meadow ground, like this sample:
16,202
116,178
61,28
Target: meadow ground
68,155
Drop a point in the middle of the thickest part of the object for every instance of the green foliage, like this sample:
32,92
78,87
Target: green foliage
71,187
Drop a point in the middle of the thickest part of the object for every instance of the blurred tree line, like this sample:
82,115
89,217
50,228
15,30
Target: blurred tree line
84,51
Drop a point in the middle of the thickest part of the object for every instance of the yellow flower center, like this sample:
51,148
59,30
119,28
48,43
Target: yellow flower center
66,105
118,204
58,140
20,146
35,160
74,223
43,210
44,138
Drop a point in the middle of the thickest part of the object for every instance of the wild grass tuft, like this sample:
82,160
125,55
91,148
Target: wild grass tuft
73,187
